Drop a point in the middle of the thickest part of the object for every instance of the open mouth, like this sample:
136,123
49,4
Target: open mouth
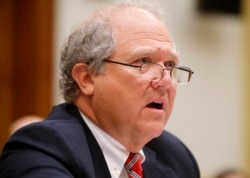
155,105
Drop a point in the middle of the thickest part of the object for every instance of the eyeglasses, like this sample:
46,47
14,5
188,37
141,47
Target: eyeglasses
152,71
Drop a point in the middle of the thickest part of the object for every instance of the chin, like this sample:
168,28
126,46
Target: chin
154,132
157,134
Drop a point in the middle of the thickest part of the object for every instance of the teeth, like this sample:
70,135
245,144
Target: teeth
158,102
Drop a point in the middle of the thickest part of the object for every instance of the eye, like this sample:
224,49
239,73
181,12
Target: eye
170,65
142,60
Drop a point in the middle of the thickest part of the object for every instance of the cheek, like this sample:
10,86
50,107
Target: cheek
126,85
171,95
120,90
128,94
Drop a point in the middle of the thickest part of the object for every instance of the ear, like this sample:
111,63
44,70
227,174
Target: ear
83,78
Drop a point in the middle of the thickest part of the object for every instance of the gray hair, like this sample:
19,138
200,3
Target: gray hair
91,42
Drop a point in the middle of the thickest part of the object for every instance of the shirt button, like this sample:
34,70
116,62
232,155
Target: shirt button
116,173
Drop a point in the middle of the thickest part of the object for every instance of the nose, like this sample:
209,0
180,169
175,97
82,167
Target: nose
164,82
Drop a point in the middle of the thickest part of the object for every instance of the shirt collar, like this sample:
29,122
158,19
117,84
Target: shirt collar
114,152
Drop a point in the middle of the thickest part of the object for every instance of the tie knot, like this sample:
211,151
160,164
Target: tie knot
133,165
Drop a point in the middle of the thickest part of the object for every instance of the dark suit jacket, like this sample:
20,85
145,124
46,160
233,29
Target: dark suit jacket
63,146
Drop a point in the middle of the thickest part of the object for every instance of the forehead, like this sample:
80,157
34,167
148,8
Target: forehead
139,32
133,19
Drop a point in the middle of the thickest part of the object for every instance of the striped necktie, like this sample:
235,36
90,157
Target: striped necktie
133,166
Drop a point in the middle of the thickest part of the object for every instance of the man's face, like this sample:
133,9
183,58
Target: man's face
126,105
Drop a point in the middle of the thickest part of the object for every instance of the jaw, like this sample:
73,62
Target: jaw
140,139
147,129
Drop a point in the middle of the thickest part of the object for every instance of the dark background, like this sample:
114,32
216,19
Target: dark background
220,6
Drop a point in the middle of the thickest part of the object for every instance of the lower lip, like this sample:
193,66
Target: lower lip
155,110
154,114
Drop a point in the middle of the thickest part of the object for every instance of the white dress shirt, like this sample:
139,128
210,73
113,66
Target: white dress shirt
114,152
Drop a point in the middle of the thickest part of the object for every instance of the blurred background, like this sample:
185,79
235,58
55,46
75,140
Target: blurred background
211,114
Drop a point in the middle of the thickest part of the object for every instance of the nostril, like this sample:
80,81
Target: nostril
165,82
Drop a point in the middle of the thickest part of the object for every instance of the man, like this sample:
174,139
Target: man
119,76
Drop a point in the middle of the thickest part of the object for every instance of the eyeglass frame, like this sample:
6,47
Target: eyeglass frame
170,70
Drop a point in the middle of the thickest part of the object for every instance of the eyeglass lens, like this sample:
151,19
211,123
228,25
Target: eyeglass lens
181,76
150,71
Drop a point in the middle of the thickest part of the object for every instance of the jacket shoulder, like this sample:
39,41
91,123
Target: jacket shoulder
51,147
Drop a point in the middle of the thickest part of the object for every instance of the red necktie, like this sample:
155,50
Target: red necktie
133,166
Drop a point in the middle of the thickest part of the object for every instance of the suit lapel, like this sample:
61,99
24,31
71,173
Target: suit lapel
100,166
153,169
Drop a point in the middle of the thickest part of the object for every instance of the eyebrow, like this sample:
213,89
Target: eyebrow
172,54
